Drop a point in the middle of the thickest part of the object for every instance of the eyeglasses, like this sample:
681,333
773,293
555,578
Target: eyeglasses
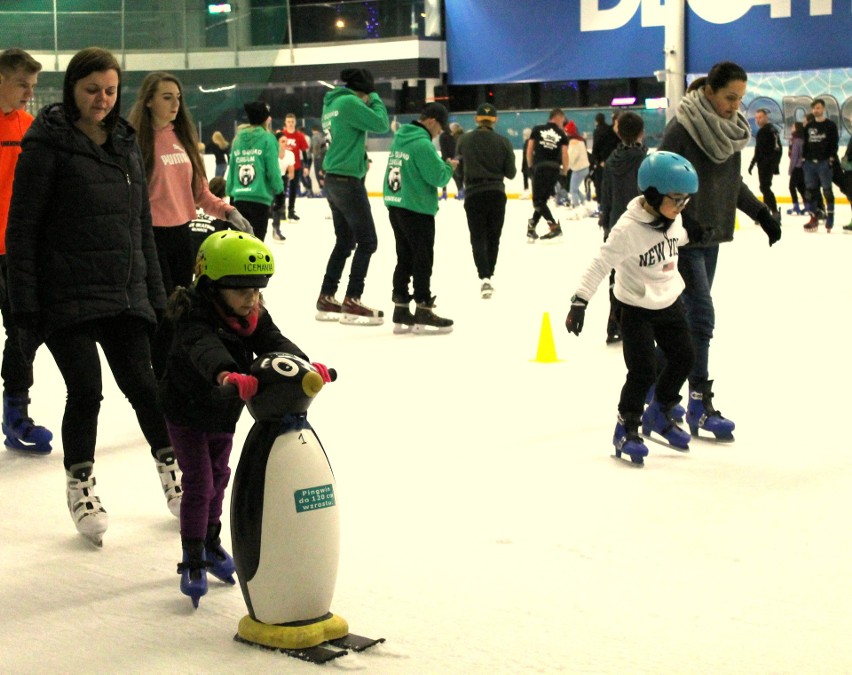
679,201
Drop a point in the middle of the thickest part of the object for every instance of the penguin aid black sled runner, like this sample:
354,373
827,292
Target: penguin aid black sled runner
285,525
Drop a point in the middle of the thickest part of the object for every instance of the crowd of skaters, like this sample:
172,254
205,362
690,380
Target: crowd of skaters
71,282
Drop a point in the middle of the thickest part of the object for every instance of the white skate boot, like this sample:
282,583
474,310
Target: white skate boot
169,471
84,506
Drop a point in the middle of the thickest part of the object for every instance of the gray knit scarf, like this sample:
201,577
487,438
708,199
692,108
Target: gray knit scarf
718,137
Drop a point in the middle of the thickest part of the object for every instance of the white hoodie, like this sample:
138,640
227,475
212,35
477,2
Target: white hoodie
644,259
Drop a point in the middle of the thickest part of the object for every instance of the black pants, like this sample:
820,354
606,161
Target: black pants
20,347
797,185
543,181
765,174
485,214
640,328
415,246
257,214
278,214
293,191
124,341
174,251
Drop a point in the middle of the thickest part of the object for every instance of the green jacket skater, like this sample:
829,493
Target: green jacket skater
415,171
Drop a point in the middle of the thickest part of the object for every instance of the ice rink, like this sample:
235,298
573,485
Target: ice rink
486,527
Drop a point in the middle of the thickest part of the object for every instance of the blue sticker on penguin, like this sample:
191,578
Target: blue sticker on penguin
311,499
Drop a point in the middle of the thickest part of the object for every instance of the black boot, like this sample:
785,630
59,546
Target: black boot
403,319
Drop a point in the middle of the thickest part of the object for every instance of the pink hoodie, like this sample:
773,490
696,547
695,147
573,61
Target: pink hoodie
170,187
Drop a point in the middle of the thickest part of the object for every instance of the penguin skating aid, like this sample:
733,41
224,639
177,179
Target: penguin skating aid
285,526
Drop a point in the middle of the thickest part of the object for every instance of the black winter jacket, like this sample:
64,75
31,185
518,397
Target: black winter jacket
203,347
620,183
721,190
79,240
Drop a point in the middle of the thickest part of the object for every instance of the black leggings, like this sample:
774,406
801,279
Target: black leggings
543,181
640,328
175,253
124,341
257,214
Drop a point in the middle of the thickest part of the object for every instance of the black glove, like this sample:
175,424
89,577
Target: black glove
278,202
576,316
770,224
564,181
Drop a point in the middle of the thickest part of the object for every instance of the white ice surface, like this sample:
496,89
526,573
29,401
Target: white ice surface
486,527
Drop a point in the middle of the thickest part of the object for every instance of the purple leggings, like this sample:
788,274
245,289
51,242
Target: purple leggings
203,459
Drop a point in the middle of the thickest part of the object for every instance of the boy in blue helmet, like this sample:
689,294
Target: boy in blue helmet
643,248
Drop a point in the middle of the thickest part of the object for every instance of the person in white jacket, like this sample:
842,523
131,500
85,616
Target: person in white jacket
643,250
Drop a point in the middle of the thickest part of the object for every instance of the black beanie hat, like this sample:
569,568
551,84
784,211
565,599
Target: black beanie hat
257,111
437,112
358,79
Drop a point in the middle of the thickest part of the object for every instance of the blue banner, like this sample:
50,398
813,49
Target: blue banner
495,41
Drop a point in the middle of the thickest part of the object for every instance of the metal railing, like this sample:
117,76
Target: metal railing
141,25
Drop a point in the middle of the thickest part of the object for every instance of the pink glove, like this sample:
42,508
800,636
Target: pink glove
323,371
246,384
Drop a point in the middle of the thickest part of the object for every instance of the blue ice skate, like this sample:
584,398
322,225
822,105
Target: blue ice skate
627,441
193,571
677,412
21,432
660,420
700,413
219,562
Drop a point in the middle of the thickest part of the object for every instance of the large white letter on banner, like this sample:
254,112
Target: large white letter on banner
594,18
714,11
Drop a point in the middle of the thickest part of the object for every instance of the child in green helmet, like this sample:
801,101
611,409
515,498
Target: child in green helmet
221,324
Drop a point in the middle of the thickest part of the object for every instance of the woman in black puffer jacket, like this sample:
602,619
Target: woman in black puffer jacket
83,267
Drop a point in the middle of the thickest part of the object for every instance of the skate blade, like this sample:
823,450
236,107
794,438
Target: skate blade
663,442
637,461
358,320
402,329
95,538
327,316
431,330
18,445
224,579
710,437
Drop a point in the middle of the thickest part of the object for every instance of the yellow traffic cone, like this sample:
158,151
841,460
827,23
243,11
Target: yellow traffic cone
546,348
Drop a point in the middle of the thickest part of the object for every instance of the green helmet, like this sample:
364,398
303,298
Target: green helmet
234,260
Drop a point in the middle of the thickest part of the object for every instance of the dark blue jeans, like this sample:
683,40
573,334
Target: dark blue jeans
818,175
354,229
697,266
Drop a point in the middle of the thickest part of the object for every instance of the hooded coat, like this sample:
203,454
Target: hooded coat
620,182
79,239
415,171
204,346
346,119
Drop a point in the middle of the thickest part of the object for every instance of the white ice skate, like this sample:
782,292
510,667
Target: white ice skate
486,290
169,471
89,516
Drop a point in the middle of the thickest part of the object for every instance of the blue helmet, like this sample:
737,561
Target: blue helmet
668,173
